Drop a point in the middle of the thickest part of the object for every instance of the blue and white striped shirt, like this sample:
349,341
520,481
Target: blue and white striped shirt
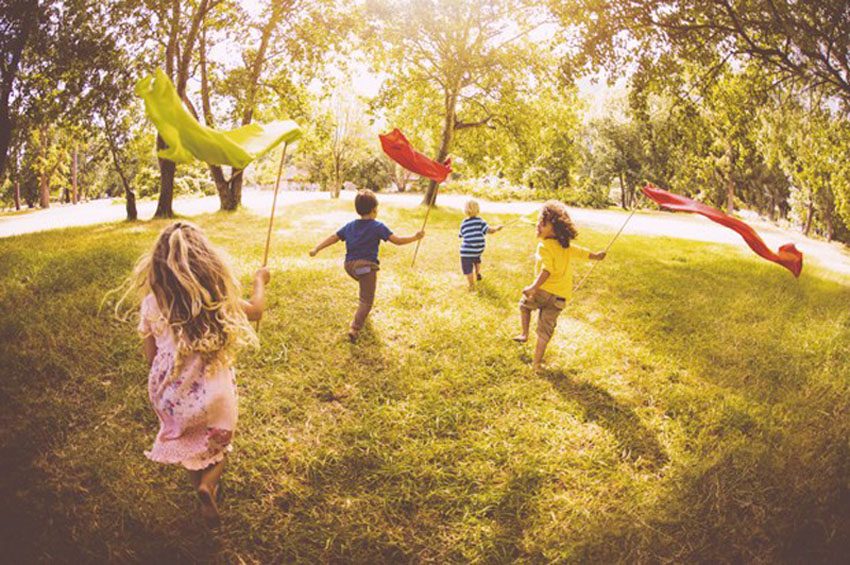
472,232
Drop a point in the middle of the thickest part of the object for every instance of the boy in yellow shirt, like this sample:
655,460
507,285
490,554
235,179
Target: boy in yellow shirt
553,284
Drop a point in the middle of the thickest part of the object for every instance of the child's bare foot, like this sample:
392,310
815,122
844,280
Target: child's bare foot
537,368
520,338
209,508
352,335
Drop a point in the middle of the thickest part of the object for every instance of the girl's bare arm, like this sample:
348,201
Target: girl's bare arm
149,347
257,304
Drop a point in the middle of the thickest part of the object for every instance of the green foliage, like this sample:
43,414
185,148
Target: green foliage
534,140
371,172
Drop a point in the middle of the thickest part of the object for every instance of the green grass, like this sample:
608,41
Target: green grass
696,408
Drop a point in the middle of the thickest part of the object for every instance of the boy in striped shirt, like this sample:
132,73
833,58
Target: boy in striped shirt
472,232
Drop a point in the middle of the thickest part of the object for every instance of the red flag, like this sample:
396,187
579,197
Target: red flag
399,150
788,256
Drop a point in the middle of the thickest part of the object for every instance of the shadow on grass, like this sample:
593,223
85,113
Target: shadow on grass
766,469
735,323
637,442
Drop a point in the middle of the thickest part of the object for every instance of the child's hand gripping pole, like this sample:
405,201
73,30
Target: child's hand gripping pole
425,221
274,205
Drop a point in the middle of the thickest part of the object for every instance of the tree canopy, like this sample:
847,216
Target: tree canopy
509,89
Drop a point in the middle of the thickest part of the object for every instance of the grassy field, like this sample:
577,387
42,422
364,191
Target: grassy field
696,407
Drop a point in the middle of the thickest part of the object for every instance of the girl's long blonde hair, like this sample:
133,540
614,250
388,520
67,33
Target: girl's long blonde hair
196,293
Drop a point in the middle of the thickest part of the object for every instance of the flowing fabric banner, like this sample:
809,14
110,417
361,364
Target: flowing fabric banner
398,148
788,256
187,138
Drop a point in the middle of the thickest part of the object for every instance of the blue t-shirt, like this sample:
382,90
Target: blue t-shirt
362,238
472,232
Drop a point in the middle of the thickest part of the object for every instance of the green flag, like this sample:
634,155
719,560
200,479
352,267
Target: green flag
188,139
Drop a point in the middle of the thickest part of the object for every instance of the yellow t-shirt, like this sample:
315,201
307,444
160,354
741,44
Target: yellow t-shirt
550,256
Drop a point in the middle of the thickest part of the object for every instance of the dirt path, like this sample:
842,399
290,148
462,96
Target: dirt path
834,257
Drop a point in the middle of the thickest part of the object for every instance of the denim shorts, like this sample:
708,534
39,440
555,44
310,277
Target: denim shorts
466,264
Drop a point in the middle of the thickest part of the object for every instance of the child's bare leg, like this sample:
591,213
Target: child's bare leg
471,278
539,351
477,270
546,323
195,477
207,490
525,322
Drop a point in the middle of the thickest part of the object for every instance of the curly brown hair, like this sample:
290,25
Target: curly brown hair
555,213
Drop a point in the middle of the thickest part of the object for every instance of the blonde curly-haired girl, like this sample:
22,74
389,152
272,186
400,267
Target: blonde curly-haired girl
193,322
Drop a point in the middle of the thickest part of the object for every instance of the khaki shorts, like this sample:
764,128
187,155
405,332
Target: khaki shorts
550,307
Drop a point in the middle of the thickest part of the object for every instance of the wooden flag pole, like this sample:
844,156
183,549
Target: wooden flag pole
274,205
425,221
584,278
519,219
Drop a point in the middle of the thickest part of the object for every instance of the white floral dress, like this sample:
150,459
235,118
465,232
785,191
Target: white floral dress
197,411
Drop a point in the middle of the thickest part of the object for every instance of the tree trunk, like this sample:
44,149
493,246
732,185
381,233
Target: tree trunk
166,185
74,193
445,143
236,178
226,194
234,188
167,168
810,212
11,60
5,137
44,191
830,228
622,192
132,214
337,186
130,196
83,174
17,194
730,196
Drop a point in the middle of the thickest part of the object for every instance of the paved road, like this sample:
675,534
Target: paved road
834,257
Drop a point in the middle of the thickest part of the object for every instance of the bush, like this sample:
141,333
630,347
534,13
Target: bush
190,185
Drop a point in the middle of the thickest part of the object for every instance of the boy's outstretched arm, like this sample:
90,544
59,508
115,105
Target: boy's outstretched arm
538,282
254,308
327,243
597,256
398,240
494,230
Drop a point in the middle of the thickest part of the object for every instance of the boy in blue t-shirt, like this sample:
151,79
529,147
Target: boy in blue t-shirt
472,232
362,239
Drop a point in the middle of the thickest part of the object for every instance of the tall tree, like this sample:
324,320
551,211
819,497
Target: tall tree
285,42
18,20
179,55
466,51
230,190
803,42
